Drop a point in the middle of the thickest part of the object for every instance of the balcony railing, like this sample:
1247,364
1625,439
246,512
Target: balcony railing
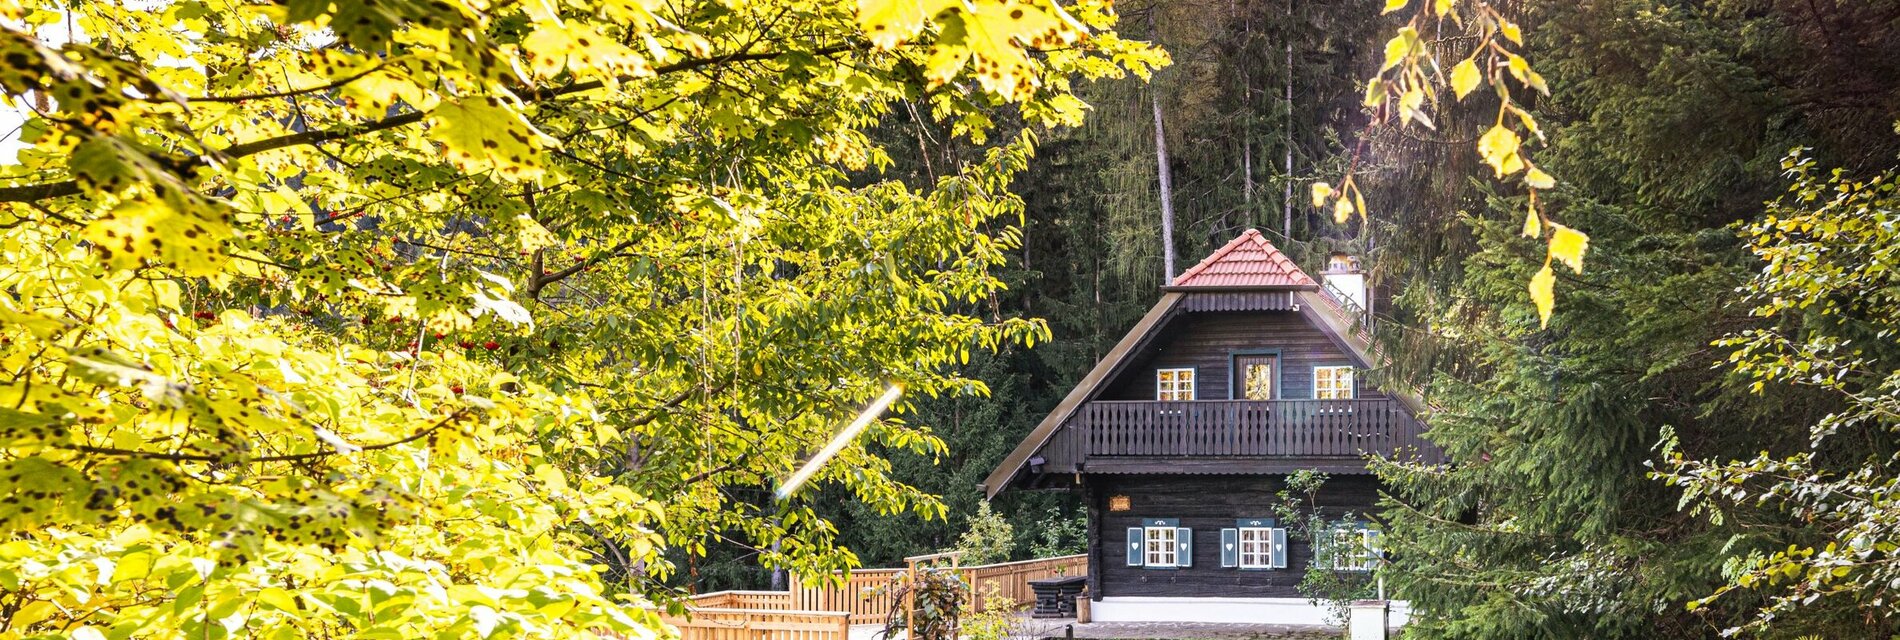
1241,429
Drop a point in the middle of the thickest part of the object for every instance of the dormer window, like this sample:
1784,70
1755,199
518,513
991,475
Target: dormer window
1174,384
1332,383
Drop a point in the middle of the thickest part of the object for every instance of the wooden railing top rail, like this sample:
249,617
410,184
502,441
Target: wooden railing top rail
1051,559
789,612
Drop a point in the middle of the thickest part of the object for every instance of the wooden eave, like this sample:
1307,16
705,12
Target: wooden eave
1104,371
1324,313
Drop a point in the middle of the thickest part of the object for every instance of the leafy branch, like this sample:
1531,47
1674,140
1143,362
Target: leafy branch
1412,75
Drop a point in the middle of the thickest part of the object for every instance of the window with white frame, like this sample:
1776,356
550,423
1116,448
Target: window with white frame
1159,547
1174,384
1256,548
1347,547
1332,383
1253,543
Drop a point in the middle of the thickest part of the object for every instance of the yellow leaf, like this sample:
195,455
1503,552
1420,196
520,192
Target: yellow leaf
1519,66
1530,123
1410,105
1393,5
1342,211
1398,47
1543,294
481,136
1375,92
1499,147
277,598
1535,81
892,22
1511,31
582,50
150,229
998,35
1537,179
1465,77
1441,7
1568,245
1321,193
1533,226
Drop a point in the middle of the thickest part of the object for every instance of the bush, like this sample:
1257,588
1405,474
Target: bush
989,539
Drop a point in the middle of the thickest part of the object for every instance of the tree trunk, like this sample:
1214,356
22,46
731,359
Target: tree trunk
1167,192
1246,124
1286,201
1161,166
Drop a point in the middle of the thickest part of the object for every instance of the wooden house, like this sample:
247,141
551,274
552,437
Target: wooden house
1179,440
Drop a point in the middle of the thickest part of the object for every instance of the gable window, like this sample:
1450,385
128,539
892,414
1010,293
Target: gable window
1174,384
1347,547
1254,543
1332,383
1160,543
1255,376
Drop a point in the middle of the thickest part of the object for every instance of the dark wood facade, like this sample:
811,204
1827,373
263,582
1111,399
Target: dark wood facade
1208,342
1204,504
1127,434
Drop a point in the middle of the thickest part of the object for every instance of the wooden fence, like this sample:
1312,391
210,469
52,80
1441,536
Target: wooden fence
757,624
869,594
1010,580
826,611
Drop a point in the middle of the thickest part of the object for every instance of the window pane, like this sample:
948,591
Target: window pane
1332,383
1159,548
1259,381
1174,384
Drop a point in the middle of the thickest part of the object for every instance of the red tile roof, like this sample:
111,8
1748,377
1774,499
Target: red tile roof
1247,262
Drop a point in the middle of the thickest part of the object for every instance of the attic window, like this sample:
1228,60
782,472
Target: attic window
1174,384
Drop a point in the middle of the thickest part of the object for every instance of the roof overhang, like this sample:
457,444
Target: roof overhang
1104,371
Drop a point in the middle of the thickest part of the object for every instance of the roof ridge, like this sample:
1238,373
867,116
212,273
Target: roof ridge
1273,269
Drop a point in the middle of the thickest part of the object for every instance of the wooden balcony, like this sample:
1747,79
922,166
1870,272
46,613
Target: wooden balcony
1236,436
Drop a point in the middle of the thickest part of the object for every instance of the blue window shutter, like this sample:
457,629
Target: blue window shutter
1230,548
1134,546
1279,549
1184,547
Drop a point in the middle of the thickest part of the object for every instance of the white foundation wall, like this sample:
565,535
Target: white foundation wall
1228,610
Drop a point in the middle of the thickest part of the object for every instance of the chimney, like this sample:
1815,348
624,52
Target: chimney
1346,281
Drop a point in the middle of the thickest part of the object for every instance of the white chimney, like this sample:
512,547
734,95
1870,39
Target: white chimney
1346,281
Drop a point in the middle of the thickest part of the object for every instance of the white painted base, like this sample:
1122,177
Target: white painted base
1367,620
1298,611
